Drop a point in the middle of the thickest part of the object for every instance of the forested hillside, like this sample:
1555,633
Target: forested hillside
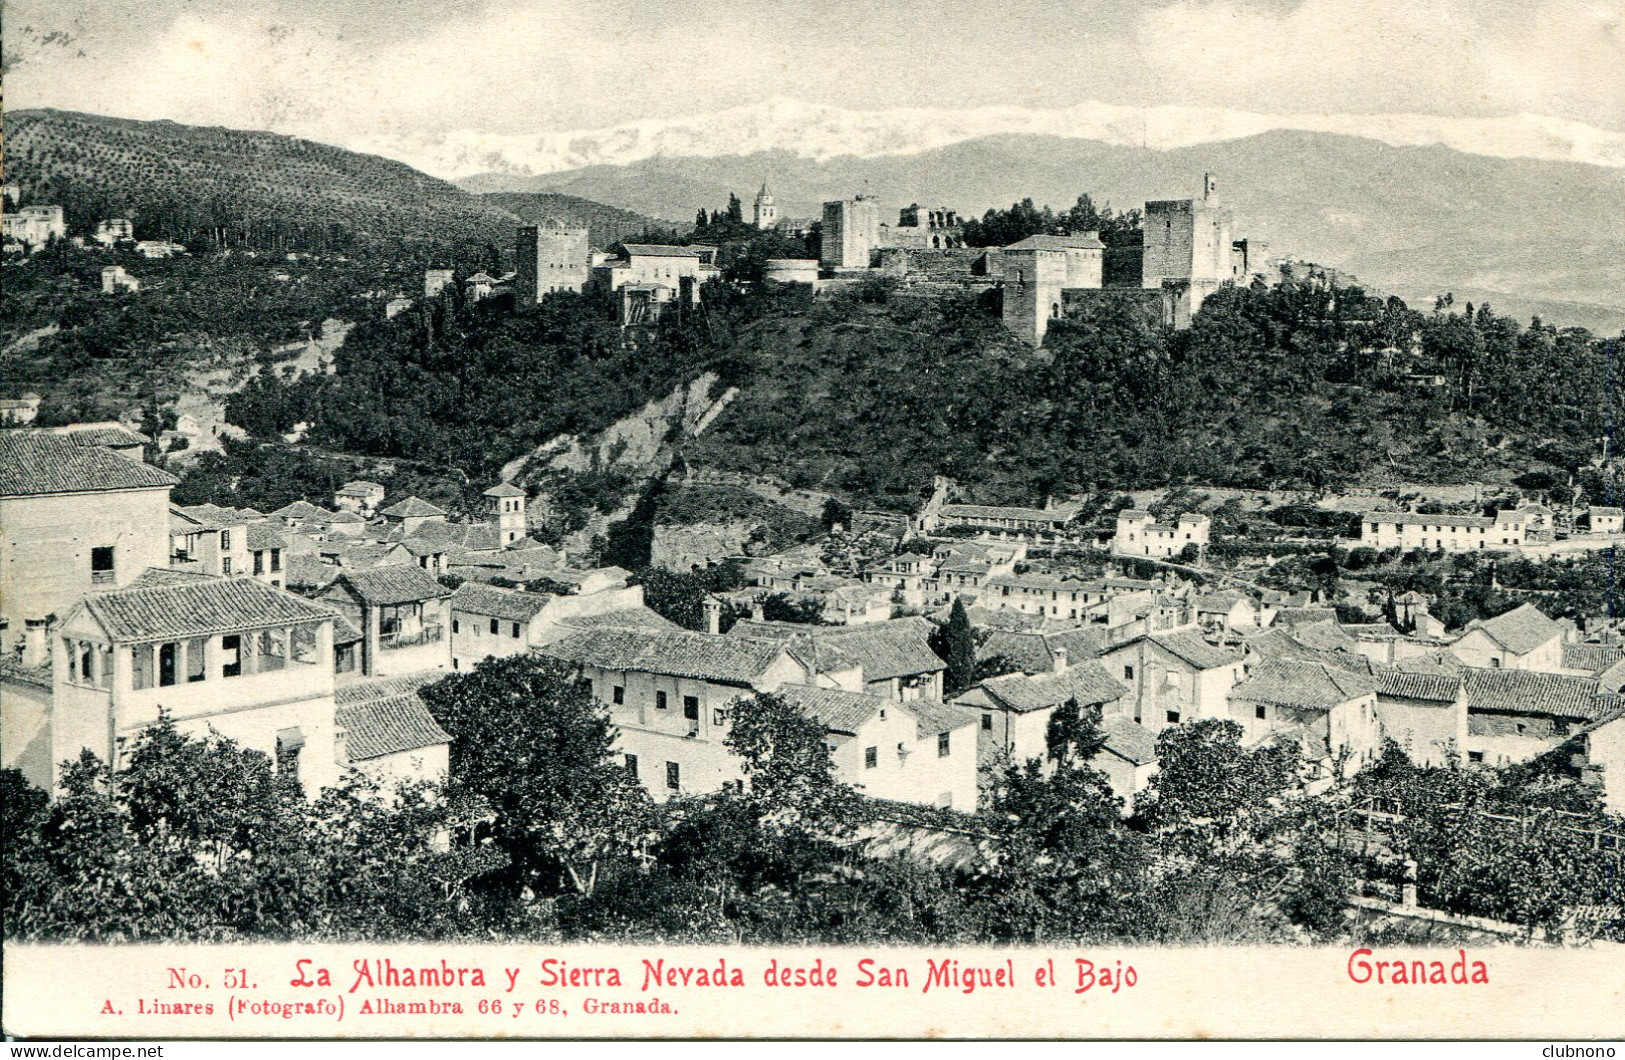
869,393
229,187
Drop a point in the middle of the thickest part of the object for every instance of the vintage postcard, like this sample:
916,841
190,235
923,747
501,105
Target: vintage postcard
925,520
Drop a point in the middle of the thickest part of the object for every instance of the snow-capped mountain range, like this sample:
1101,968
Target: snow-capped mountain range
823,132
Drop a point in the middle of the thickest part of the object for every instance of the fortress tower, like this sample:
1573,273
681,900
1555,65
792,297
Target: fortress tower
550,258
851,233
1188,245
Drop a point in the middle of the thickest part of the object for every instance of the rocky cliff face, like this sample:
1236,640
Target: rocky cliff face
638,445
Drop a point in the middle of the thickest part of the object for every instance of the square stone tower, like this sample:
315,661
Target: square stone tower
551,258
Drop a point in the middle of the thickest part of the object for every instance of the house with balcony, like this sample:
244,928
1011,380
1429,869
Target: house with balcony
400,610
74,517
232,655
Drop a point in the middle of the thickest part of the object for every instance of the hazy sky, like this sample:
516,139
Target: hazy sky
340,69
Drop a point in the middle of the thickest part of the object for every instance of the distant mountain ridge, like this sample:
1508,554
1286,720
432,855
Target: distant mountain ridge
1530,236
184,182
820,133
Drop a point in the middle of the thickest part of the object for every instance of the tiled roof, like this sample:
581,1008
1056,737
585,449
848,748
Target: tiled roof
1591,657
413,508
510,604
1520,630
1087,683
382,687
199,608
12,669
1530,692
394,583
894,648
659,250
1301,616
438,536
105,433
837,710
261,536
1043,242
1326,636
1034,653
988,511
504,489
1190,647
306,570
932,716
32,464
677,652
379,727
155,576
1128,739
1303,685
1398,684
300,510
622,618
342,518
1416,519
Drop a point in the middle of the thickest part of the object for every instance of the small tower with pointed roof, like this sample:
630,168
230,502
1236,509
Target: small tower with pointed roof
507,509
766,214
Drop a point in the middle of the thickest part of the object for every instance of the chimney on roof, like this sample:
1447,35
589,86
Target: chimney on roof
1060,655
35,643
713,615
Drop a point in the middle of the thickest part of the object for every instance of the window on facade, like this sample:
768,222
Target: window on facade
871,757
1495,663
943,750
231,655
259,561
987,722
495,625
101,564
1173,717
1261,713
618,694
1475,757
660,701
718,716
141,666
691,708
167,663
456,626
632,765
87,665
225,540
674,776
276,560
1128,673
515,631
225,564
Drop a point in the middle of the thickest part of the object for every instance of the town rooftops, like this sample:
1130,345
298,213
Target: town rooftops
1302,685
1520,630
1034,653
199,608
1394,683
1606,510
512,605
1085,241
677,653
1531,692
412,508
383,687
1420,519
504,489
360,487
299,510
1189,646
1129,740
883,650
659,250
1594,658
1087,683
393,584
845,712
261,537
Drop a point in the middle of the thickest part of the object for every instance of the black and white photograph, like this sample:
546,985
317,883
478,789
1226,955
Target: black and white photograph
546,520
